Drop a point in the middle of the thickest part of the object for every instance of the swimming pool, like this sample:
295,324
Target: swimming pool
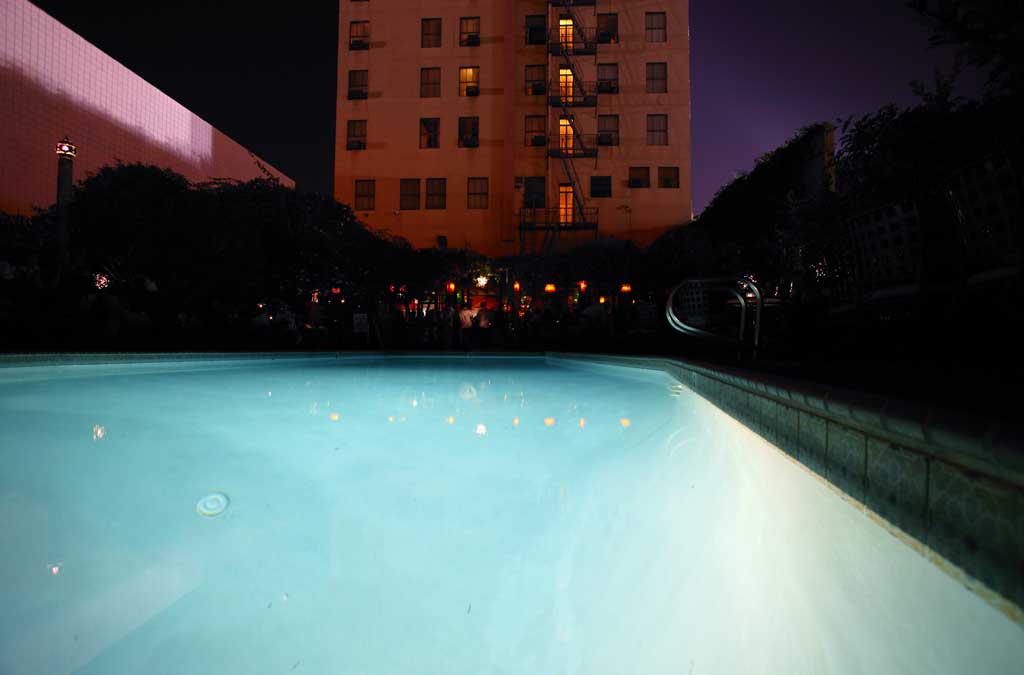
445,515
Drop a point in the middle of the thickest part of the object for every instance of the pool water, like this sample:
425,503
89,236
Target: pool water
457,516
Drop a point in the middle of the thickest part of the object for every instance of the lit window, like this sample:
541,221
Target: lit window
430,132
436,192
469,31
358,35
657,130
365,195
476,193
469,132
356,135
358,84
536,130
657,78
409,194
566,207
430,82
668,176
469,81
655,27
639,177
430,33
566,136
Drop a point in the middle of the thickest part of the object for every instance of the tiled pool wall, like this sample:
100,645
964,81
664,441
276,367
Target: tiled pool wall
950,486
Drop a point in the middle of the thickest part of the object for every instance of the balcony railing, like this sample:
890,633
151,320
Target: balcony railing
558,219
573,147
581,42
579,94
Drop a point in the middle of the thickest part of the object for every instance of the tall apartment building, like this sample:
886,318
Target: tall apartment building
514,125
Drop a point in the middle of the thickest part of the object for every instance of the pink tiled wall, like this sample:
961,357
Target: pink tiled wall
53,83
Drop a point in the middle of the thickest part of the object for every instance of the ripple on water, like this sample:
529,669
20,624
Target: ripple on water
213,505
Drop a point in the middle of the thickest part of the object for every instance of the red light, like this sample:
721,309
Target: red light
583,287
550,288
516,287
626,288
335,291
391,288
451,286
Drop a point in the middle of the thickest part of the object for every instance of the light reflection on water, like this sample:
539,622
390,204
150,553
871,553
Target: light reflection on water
526,518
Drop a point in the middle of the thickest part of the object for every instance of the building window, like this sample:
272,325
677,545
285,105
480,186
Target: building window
607,78
655,25
356,135
430,82
430,33
657,130
535,77
668,176
358,35
607,129
566,205
639,177
657,78
469,81
534,192
436,190
409,194
430,132
476,193
607,28
469,31
600,186
536,130
358,84
469,132
536,29
365,192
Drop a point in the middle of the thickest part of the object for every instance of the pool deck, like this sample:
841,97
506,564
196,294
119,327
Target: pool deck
950,486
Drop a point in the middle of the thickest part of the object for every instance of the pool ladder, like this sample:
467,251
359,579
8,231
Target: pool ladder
742,288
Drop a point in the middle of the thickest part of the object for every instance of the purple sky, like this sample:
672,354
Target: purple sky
763,70
264,73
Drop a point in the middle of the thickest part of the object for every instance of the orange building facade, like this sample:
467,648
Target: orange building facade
514,125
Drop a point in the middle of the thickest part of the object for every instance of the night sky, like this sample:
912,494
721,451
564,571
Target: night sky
266,76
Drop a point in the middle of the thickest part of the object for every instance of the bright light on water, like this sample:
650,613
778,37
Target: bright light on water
643,532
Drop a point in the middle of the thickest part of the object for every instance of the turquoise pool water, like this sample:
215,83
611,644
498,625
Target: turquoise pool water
458,516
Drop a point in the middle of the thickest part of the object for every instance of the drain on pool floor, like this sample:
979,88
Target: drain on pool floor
213,505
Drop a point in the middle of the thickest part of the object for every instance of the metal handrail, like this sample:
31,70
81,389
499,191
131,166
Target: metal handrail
728,284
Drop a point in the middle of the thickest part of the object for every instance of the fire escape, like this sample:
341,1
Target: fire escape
571,98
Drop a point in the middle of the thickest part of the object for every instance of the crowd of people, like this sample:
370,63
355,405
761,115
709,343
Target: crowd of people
483,326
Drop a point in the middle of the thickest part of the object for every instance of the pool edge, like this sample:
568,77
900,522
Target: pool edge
949,486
